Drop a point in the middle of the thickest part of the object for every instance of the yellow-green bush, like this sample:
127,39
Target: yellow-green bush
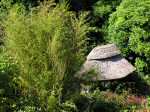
49,44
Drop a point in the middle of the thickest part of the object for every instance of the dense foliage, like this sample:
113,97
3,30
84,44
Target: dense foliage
43,43
102,9
129,28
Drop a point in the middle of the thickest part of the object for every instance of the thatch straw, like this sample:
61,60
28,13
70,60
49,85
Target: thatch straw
105,63
102,52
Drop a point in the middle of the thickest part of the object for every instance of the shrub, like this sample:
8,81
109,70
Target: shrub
102,9
8,86
129,29
49,45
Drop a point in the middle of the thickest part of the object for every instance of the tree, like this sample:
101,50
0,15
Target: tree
129,28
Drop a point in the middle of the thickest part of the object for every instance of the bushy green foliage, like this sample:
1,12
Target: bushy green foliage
42,47
129,29
102,100
49,45
103,8
5,5
8,85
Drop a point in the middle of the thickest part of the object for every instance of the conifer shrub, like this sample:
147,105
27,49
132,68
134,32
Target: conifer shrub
49,45
129,29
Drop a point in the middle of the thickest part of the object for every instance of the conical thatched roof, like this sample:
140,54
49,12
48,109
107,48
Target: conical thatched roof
102,52
105,63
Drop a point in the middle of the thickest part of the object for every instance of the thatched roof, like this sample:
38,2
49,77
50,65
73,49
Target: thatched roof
109,66
102,52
